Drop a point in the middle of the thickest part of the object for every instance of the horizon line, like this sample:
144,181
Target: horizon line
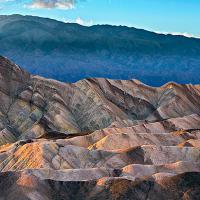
178,34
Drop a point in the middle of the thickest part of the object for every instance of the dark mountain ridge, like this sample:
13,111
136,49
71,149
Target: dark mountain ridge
69,52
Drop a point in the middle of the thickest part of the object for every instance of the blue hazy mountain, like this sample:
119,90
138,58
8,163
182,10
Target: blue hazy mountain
69,52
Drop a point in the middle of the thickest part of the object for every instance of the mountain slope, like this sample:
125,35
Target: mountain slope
70,52
32,102
97,139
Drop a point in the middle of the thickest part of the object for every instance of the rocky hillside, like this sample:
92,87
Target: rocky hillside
70,52
97,139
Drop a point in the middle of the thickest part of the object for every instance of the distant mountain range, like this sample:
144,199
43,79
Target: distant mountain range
69,52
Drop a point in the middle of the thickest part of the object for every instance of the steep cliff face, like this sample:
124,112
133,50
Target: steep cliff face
97,138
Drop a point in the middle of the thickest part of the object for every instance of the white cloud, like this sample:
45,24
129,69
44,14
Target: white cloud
60,4
79,20
83,22
189,35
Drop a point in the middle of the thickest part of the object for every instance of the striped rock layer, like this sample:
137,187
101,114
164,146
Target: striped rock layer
97,139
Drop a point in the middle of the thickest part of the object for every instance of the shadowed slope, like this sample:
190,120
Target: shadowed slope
70,52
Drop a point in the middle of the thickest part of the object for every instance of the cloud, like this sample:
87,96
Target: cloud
189,35
80,21
60,4
83,22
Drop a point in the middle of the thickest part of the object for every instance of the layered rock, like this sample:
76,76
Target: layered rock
97,138
159,186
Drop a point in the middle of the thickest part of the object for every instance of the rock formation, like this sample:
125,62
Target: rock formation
97,139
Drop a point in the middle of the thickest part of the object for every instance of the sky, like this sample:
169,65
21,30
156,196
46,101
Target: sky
163,16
